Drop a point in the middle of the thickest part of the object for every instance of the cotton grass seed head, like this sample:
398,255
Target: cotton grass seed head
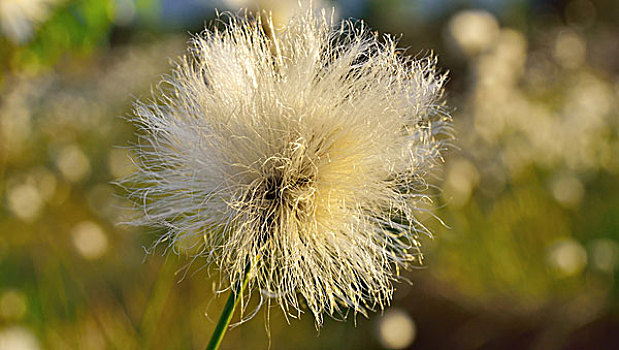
303,150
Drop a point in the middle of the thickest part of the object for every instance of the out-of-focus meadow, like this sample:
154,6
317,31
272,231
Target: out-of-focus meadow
528,255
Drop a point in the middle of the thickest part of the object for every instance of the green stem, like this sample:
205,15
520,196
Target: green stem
226,315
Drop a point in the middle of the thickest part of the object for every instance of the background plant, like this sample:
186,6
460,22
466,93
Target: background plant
531,196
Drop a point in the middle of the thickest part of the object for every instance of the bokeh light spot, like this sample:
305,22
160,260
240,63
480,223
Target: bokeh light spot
89,240
568,191
18,338
567,257
13,305
570,49
604,254
25,202
397,330
73,163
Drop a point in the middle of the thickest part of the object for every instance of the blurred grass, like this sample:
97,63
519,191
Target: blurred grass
530,196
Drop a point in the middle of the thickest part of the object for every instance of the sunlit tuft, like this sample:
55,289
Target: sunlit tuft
303,151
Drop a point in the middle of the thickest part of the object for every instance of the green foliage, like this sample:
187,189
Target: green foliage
531,194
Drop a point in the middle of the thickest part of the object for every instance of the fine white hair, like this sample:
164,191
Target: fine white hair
301,150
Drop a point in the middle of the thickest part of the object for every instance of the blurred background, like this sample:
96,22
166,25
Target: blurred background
528,255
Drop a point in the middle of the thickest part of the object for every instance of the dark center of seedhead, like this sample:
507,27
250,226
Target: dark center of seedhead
281,196
285,192
276,189
280,201
272,188
279,193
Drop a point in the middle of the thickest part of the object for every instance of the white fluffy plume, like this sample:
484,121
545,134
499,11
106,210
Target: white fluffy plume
302,150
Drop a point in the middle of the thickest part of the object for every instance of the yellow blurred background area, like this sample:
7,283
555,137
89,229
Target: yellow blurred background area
525,253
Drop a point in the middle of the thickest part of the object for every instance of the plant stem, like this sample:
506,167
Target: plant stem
226,315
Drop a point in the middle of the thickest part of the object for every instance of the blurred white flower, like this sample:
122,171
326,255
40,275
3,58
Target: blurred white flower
568,191
570,49
396,330
567,257
18,338
89,240
304,152
73,163
462,178
281,10
473,31
25,201
19,18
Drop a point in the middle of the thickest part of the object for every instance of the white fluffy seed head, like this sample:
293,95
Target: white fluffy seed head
303,150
